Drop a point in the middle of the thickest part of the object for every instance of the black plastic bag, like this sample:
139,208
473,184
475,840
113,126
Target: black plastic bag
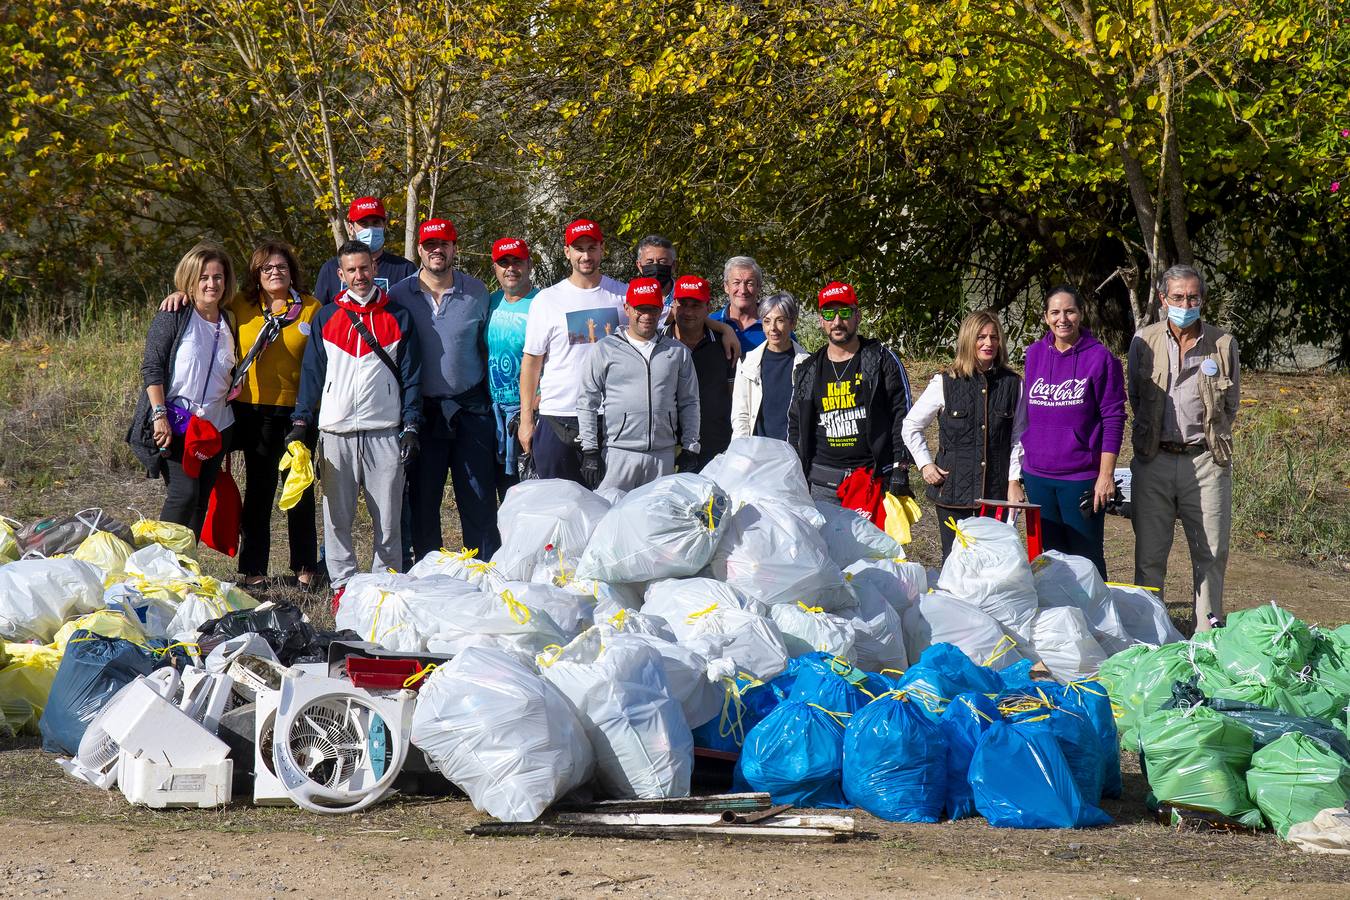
1266,724
284,628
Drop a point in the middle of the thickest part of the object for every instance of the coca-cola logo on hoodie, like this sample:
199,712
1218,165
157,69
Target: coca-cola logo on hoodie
1069,392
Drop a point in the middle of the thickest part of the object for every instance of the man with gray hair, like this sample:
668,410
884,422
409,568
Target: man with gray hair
1183,391
742,282
763,390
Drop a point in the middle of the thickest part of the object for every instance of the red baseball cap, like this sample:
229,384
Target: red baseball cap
365,206
645,292
504,247
200,443
436,230
694,287
582,228
837,292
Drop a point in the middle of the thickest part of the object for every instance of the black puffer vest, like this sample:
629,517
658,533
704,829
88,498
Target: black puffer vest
975,430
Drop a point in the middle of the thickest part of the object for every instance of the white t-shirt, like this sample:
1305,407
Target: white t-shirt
196,378
565,322
643,347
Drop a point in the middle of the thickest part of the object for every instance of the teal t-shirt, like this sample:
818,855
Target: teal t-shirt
506,345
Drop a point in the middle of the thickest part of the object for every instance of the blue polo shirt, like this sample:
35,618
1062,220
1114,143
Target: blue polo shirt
450,333
750,338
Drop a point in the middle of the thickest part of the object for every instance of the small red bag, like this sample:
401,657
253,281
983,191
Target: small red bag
861,491
220,531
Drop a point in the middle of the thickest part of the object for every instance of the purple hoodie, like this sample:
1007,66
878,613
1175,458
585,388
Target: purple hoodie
1074,408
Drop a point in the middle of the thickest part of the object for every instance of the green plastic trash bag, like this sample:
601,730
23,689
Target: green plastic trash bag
1295,778
1258,644
1145,689
1330,660
1197,759
1267,725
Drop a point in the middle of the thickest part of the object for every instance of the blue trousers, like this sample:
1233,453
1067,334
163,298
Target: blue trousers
466,454
1064,527
552,457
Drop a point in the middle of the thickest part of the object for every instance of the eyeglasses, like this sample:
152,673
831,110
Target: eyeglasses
275,268
1187,299
840,312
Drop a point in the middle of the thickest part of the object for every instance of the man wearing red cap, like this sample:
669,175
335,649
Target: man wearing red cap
641,383
366,222
715,373
849,400
508,311
565,322
449,311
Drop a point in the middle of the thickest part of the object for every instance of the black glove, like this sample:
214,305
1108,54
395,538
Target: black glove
690,461
299,432
590,468
898,482
408,445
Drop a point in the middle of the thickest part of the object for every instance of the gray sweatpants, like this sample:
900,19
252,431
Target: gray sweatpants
361,462
628,469
1198,491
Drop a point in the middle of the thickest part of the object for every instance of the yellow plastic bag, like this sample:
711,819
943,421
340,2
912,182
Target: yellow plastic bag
300,462
9,548
901,514
106,622
27,678
178,538
107,551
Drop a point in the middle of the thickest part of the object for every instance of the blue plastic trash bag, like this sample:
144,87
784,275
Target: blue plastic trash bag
744,708
1077,740
1092,700
895,761
820,662
828,690
964,722
796,754
93,669
944,672
1017,676
1022,780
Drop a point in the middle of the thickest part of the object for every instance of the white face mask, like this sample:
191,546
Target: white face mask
372,237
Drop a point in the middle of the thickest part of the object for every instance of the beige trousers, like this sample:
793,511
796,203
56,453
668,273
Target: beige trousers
1199,491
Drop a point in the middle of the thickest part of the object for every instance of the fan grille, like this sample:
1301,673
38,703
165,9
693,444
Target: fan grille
331,741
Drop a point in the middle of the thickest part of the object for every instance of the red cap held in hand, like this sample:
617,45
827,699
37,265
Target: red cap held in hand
582,228
513,247
645,292
693,287
201,442
365,206
436,230
837,292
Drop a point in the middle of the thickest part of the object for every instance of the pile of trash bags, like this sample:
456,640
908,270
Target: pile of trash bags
723,612
1245,724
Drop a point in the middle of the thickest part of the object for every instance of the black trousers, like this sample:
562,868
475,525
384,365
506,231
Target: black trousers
186,499
260,433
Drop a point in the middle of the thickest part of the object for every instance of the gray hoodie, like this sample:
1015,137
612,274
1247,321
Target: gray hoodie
640,400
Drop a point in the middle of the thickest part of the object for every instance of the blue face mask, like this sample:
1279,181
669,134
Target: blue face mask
372,237
1183,316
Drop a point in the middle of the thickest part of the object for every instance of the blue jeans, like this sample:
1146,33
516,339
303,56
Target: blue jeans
508,448
1065,527
466,454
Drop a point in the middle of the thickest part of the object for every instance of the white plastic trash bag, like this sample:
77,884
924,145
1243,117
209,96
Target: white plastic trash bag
155,562
462,564
667,528
1066,580
502,734
572,612
38,595
764,471
608,598
156,614
545,521
1060,636
807,629
205,599
1144,616
508,621
745,641
850,537
687,675
773,556
988,568
939,618
680,602
627,621
643,745
400,612
879,634
902,583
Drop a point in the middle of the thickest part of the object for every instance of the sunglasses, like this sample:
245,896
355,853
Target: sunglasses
841,312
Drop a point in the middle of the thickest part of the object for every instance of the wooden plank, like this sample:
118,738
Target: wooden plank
735,818
660,832
835,823
717,803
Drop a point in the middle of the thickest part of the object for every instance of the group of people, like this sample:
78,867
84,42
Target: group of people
403,377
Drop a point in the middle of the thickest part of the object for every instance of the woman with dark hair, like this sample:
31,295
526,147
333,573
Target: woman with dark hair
183,416
975,403
1073,418
272,315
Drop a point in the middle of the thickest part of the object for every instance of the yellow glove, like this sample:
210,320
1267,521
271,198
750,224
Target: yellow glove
901,514
301,464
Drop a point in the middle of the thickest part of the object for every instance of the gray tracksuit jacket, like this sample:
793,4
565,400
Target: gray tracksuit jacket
647,406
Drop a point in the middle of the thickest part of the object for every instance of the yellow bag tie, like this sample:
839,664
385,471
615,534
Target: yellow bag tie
375,623
418,676
620,619
979,712
709,513
701,613
731,699
834,714
901,514
811,609
549,655
1000,649
965,539
519,611
1142,587
300,463
888,671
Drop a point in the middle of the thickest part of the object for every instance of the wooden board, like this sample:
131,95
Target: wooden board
661,832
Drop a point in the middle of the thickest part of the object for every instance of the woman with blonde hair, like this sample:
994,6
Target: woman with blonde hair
975,402
179,429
